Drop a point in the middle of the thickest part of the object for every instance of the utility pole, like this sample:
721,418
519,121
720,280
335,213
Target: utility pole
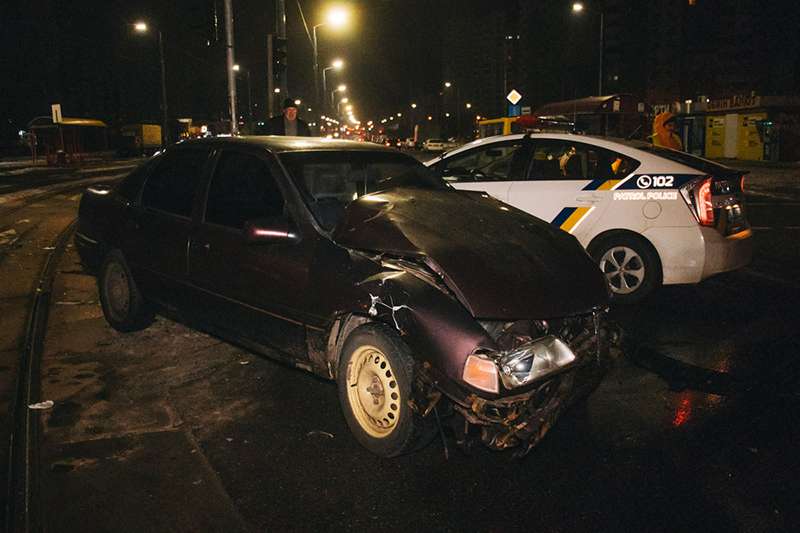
230,63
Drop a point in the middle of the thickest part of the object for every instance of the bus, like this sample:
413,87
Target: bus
497,126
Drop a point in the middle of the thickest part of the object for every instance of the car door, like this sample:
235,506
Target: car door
157,227
565,184
252,290
490,168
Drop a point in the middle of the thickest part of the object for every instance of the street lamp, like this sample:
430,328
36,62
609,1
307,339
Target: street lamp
340,89
413,106
141,27
237,68
577,8
336,64
336,17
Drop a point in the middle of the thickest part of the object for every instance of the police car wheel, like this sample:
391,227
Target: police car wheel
630,264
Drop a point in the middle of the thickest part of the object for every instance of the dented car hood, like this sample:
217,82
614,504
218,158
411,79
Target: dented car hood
500,262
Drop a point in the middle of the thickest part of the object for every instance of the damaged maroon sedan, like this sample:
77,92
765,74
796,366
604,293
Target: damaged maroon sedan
424,303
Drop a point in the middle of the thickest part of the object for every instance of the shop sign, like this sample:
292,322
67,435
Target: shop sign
734,102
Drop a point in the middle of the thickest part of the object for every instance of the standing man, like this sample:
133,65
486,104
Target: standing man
286,123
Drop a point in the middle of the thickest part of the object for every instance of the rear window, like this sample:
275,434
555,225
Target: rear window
703,165
330,180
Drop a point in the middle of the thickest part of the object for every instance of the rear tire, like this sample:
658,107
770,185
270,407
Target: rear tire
375,379
630,264
124,307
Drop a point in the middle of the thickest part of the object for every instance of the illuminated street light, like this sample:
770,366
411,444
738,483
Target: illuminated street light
468,105
448,84
336,64
345,100
430,117
298,102
141,27
413,106
336,18
399,115
341,88
237,68
577,8
277,90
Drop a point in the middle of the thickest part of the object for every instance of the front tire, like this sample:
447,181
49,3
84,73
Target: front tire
124,307
630,264
375,379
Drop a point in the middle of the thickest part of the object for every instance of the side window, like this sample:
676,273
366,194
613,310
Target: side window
242,189
566,160
172,185
496,162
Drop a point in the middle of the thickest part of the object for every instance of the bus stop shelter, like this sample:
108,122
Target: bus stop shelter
69,141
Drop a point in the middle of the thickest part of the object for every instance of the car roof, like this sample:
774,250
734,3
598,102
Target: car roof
280,143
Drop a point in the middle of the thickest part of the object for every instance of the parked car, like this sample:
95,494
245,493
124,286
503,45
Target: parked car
647,215
433,145
355,262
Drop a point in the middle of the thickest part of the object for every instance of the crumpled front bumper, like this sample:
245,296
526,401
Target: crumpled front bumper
521,421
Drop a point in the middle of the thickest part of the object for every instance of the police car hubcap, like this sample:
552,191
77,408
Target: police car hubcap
624,269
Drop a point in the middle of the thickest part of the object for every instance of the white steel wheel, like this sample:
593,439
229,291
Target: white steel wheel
373,392
624,269
375,377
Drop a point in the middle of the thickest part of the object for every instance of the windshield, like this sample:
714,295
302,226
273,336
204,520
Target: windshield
704,165
330,180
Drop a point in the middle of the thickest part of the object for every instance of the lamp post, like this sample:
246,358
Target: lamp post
141,27
577,8
336,64
340,89
336,18
237,68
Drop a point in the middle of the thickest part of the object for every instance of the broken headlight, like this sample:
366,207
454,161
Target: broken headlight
533,360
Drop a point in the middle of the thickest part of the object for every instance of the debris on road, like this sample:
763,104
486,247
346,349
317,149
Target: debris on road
41,405
319,433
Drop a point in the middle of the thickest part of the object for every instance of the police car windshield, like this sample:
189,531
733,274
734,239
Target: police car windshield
703,165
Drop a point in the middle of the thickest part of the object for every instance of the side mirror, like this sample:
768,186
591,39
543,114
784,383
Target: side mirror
271,230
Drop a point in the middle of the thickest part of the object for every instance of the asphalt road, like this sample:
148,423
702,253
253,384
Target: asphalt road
169,429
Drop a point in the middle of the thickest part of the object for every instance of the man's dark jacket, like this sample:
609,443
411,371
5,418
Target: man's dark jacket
275,126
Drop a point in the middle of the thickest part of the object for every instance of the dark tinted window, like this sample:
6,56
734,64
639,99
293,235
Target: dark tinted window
131,185
703,165
172,185
330,180
242,189
566,160
496,162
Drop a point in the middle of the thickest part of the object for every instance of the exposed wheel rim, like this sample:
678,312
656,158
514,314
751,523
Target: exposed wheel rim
117,289
373,392
624,269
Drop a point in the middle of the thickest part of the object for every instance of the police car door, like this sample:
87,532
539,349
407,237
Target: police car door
558,188
490,168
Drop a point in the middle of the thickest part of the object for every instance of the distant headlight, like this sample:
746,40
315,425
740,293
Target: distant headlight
533,360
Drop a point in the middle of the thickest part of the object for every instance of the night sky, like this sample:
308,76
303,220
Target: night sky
85,55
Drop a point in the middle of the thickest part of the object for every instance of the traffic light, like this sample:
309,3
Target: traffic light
279,59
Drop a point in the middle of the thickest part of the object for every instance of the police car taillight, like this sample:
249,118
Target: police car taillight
698,195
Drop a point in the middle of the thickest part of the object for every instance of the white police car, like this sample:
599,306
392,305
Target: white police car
647,215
